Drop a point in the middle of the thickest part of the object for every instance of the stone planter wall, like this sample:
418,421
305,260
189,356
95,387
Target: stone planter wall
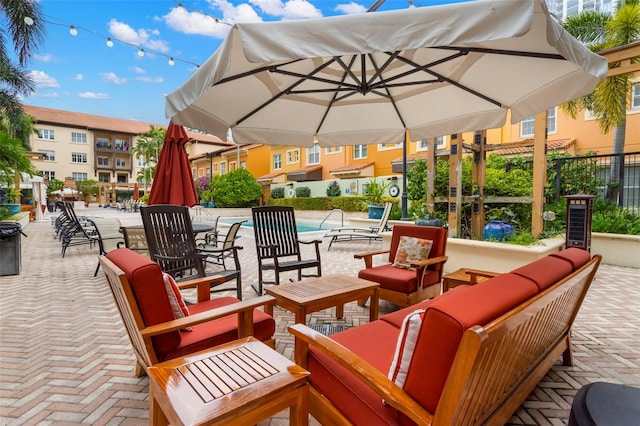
617,249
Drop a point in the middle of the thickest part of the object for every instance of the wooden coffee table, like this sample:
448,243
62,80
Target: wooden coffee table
242,382
465,276
316,294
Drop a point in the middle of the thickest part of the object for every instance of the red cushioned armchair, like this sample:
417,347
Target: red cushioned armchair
421,281
139,289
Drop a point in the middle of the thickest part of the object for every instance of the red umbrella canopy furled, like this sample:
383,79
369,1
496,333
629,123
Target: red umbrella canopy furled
136,192
173,183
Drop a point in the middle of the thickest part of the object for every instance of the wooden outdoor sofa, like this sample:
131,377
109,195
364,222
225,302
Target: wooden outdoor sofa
469,356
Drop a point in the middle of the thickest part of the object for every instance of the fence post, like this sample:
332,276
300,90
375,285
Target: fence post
558,167
621,180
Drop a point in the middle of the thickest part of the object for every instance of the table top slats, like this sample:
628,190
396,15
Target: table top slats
201,390
220,378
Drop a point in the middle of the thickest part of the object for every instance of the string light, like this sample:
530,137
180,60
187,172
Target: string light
110,41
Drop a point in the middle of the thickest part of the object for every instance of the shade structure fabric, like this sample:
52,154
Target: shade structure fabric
368,78
173,183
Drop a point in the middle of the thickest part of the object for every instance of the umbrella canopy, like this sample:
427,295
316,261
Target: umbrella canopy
66,191
173,183
368,78
136,192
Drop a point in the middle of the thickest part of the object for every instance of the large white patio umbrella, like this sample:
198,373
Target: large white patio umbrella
369,78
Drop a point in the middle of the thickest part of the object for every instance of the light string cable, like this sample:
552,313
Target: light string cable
192,9
73,30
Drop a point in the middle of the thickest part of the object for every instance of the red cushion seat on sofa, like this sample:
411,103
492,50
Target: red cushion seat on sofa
545,272
575,256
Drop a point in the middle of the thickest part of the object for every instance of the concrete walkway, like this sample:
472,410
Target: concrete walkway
66,359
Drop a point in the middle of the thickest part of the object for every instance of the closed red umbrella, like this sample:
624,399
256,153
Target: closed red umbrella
173,183
136,192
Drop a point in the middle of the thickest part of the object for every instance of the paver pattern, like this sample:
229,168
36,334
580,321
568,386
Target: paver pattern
65,357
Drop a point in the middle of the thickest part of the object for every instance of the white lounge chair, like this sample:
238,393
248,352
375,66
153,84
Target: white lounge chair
371,233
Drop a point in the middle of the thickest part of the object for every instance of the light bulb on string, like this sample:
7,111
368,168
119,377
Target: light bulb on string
73,31
28,20
109,42
141,52
171,61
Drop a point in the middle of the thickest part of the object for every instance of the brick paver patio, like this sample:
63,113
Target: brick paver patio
65,357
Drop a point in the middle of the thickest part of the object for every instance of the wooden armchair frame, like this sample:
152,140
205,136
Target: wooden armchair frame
278,245
423,291
140,335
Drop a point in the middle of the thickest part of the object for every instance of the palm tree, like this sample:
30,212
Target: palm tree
609,101
21,20
148,145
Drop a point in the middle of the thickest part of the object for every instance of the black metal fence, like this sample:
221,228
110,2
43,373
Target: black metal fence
612,177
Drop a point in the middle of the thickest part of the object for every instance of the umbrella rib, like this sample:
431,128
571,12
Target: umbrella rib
314,78
426,69
540,55
393,101
335,97
283,92
252,72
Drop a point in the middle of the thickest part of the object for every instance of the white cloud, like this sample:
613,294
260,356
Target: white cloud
137,70
350,8
45,58
78,77
184,21
43,80
45,95
110,77
291,9
93,95
141,37
150,79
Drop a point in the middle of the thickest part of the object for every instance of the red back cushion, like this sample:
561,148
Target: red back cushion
436,234
147,284
444,322
575,256
545,272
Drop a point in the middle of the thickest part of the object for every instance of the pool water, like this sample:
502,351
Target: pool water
300,226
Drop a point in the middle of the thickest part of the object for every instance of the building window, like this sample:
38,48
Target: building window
78,157
333,150
313,154
214,168
293,156
440,142
48,155
102,142
193,173
49,174
47,134
277,161
122,144
359,151
121,162
122,178
104,177
232,166
385,146
78,137
527,125
423,144
103,161
635,96
243,164
79,176
223,167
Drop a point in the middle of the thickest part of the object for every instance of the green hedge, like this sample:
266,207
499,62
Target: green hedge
347,204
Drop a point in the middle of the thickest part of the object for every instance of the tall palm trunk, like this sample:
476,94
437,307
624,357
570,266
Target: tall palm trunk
614,182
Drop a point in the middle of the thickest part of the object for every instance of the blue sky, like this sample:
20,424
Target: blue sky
82,74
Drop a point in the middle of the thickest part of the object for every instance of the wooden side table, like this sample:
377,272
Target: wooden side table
465,276
325,292
242,382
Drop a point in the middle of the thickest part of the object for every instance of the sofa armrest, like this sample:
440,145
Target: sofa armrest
368,257
244,309
374,379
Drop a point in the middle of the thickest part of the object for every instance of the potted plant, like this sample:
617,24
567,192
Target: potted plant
12,196
373,194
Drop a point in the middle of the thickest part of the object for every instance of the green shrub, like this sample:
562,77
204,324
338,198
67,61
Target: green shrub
333,190
277,192
237,188
609,218
350,203
303,191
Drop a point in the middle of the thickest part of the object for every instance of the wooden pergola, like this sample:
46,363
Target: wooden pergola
622,60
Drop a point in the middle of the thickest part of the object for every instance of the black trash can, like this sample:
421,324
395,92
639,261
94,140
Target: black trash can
10,251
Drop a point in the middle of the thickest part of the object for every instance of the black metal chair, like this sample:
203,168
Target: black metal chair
172,245
278,246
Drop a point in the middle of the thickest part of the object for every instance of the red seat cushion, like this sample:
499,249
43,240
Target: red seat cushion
219,331
444,323
545,272
348,394
391,278
147,284
575,256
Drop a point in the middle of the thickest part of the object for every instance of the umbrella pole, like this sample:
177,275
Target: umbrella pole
404,177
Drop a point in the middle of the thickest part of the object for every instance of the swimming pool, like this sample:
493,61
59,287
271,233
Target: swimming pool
304,226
